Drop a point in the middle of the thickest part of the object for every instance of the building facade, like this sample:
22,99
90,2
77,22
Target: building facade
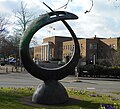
51,49
68,49
91,49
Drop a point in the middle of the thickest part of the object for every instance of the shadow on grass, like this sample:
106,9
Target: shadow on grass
81,103
73,103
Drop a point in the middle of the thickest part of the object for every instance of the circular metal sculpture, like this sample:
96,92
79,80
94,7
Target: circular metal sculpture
51,91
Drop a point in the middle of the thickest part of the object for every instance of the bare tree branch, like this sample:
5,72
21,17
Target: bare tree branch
87,11
65,5
3,26
24,17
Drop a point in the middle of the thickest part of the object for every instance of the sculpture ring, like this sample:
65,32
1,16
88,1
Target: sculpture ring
47,73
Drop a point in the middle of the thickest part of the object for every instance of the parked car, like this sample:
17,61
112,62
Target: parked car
12,60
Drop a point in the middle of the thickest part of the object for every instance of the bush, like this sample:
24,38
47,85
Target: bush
114,72
99,71
2,64
92,70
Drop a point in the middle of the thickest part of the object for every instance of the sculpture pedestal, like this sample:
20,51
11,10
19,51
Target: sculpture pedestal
50,92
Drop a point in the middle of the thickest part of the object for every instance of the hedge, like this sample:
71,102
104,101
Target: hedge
98,71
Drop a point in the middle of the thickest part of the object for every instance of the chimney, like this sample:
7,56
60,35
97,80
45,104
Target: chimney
95,37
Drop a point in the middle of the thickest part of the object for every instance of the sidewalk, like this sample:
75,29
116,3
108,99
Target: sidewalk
72,78
100,79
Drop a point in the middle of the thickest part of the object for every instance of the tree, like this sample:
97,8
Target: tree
3,26
7,47
115,59
3,33
24,17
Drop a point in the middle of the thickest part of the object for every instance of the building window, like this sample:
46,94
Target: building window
73,46
95,45
90,46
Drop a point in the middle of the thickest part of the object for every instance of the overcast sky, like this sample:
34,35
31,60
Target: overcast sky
103,20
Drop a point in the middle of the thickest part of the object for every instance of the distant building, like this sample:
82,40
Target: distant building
31,51
51,49
44,52
91,49
68,49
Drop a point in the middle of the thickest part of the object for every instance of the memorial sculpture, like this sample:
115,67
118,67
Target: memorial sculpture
51,91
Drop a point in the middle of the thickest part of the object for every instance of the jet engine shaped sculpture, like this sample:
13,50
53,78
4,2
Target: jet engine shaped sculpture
51,91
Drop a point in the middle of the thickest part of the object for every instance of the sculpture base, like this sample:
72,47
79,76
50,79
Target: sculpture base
50,92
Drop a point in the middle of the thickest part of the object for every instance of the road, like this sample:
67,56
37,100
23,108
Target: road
26,80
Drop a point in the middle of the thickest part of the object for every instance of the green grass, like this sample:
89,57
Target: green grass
117,93
10,98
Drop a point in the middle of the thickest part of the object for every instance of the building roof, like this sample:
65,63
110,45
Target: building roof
58,37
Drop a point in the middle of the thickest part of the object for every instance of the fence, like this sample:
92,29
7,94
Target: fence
7,69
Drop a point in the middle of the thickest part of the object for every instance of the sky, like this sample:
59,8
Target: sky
103,20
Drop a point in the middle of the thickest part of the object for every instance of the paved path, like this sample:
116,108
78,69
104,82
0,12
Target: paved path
24,79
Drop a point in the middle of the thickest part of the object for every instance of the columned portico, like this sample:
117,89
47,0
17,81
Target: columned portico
45,52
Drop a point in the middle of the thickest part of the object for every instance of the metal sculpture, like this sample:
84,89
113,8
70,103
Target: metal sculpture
51,91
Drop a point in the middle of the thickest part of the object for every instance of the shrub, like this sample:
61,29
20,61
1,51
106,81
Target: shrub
99,71
2,64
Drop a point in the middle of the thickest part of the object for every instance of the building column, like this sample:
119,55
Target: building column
49,51
45,53
42,53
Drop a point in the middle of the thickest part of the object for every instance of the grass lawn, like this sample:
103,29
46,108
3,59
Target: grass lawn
13,98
